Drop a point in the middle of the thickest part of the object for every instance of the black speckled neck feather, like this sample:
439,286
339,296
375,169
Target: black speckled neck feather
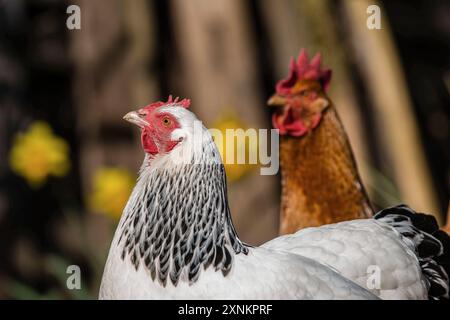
178,220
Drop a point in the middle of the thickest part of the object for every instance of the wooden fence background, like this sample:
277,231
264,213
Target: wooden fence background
391,88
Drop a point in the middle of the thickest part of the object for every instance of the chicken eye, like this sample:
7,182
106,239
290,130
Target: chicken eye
305,93
166,121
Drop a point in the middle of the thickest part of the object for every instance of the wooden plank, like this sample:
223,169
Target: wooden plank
394,112
110,54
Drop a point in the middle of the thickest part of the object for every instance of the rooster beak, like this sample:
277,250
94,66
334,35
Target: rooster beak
137,118
276,101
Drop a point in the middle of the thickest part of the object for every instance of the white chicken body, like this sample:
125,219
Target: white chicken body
176,240
362,250
261,274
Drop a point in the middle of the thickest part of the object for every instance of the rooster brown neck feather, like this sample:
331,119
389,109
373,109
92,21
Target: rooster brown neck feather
320,181
178,221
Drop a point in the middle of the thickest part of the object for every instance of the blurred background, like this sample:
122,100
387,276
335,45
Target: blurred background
68,161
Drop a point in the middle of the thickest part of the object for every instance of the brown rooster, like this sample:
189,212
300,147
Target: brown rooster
320,180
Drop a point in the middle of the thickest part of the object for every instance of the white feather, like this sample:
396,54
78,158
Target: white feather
351,247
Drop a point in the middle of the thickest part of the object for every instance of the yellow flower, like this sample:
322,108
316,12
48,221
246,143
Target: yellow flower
111,188
38,153
235,171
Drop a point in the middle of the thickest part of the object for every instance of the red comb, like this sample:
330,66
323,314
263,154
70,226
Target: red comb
303,69
185,103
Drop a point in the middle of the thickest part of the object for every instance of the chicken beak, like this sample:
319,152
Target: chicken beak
135,118
276,101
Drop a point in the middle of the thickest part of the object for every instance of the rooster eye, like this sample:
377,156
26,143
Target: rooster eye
166,121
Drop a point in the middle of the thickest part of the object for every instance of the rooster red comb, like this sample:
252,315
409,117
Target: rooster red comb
185,103
303,69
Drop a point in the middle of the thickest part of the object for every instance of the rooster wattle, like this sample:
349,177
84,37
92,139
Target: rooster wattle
176,239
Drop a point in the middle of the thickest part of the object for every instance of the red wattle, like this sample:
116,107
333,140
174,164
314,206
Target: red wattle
147,143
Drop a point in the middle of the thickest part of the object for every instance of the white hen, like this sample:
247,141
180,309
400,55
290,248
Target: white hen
176,240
